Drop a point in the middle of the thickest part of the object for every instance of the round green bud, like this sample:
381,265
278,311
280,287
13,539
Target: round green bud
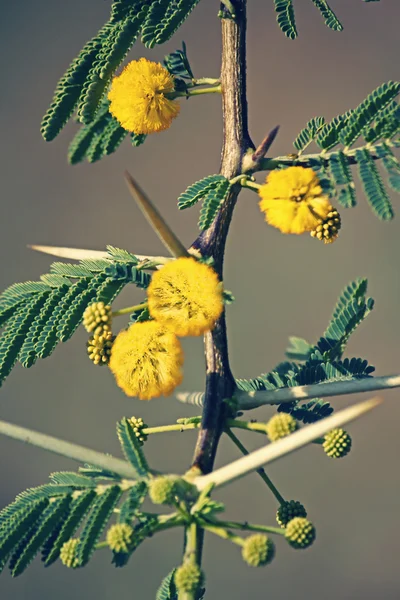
162,490
337,443
97,318
138,425
280,425
258,550
188,578
99,348
288,511
119,537
300,533
68,553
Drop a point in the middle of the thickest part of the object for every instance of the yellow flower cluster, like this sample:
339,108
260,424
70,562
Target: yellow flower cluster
139,97
185,297
293,202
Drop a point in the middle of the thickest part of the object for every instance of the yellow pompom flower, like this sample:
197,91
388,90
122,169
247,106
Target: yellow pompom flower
186,297
138,97
146,360
292,200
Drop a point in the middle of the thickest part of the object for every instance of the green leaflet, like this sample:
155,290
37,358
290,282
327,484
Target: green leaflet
299,349
391,165
129,507
69,87
79,509
75,480
329,16
368,111
178,63
131,447
12,531
199,190
341,176
212,202
309,412
50,518
373,185
40,314
97,521
13,338
285,17
167,589
309,133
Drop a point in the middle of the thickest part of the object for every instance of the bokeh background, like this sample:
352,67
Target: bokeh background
283,286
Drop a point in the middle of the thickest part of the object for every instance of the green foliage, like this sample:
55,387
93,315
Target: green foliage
309,133
373,186
100,137
377,120
285,17
167,589
213,190
84,85
102,509
329,16
323,362
129,508
36,316
178,63
131,447
287,22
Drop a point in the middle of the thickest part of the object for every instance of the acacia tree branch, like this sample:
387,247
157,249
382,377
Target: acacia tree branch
220,383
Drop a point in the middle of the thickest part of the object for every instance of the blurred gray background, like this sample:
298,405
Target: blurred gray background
284,285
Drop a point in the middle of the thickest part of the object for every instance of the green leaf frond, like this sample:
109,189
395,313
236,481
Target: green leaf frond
131,447
285,17
287,22
213,190
377,120
178,64
85,83
45,517
167,589
100,138
323,362
36,316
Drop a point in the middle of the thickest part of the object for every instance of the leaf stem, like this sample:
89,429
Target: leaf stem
167,428
260,471
246,527
196,91
129,309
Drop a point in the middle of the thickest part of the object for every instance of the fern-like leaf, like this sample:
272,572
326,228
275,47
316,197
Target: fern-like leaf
212,202
178,63
131,447
50,518
13,530
309,412
167,589
309,133
373,186
199,190
285,17
97,521
329,16
78,511
342,178
131,504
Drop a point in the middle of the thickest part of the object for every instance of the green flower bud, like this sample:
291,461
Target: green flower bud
68,553
288,511
119,537
168,488
280,425
97,318
99,348
300,533
188,578
258,550
337,443
138,426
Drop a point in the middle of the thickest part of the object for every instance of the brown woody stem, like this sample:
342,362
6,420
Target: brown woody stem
236,141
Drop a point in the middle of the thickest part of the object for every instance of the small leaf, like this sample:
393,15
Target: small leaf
131,447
